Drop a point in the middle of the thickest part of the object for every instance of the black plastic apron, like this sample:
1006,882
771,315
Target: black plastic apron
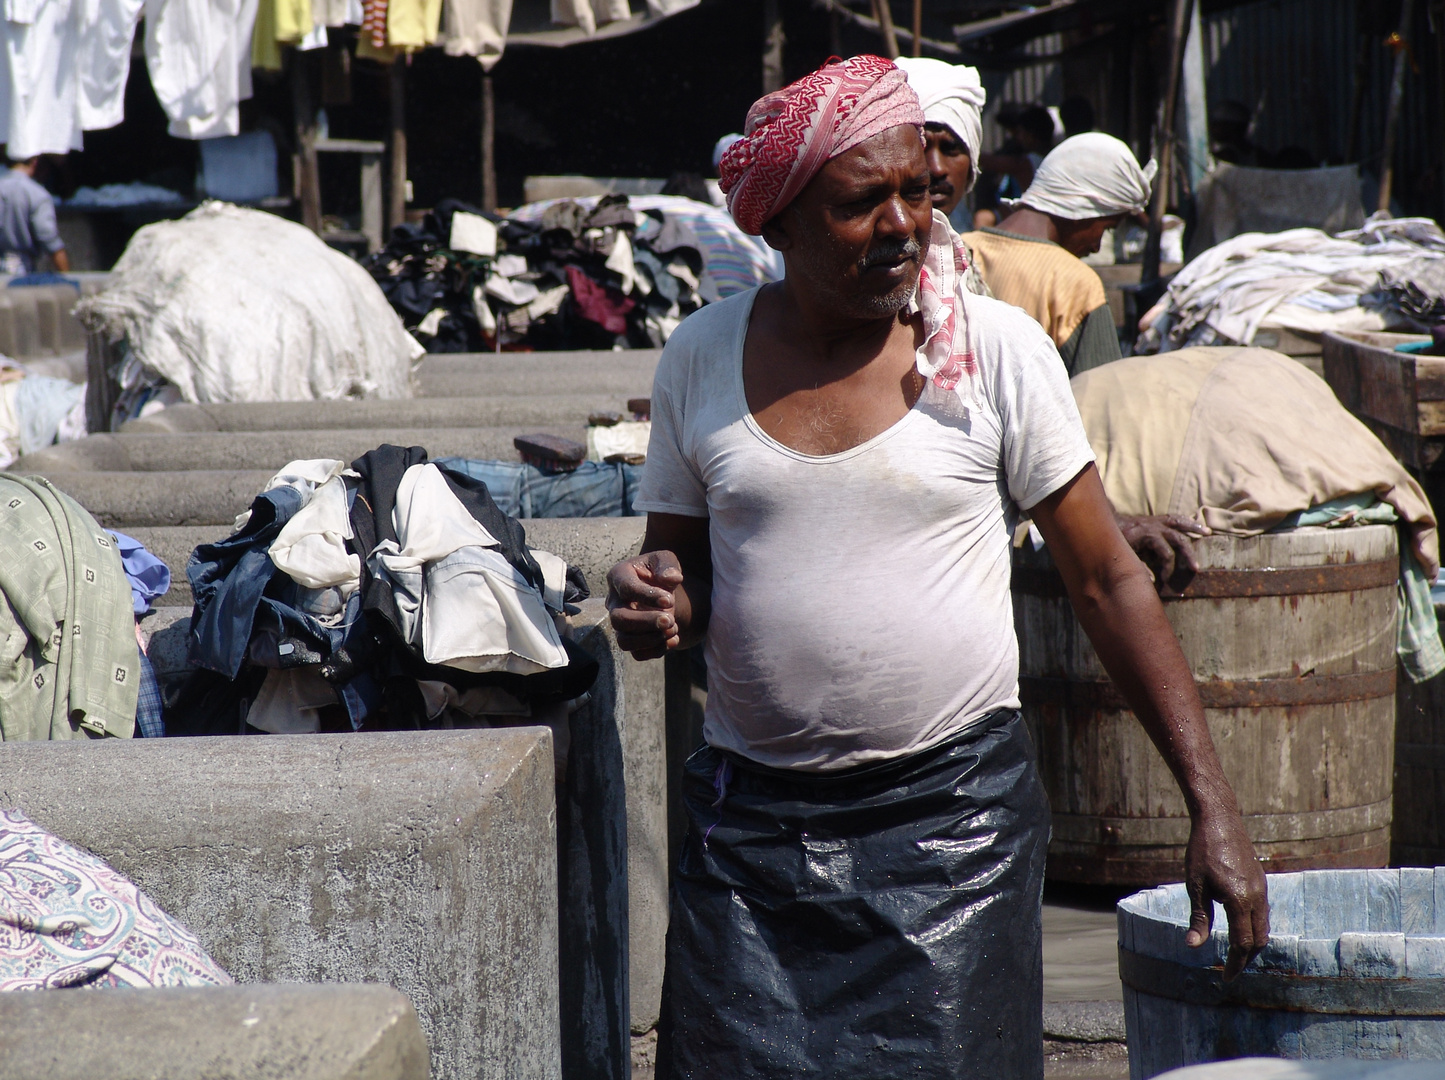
881,922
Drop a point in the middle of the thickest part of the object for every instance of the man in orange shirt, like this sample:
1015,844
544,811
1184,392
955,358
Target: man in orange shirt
1032,258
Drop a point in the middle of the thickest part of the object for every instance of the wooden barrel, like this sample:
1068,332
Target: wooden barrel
1291,638
1418,830
1354,969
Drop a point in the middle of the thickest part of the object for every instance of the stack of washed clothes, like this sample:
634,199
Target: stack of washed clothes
389,594
569,274
1388,275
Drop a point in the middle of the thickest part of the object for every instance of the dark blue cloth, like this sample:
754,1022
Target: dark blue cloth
593,489
234,580
149,578
238,590
149,719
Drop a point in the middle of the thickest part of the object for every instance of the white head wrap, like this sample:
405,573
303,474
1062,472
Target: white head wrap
950,94
722,146
1091,175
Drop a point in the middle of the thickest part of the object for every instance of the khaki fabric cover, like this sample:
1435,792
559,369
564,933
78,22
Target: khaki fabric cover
1237,438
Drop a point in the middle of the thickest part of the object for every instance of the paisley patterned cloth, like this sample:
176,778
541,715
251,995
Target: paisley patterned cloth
792,133
68,919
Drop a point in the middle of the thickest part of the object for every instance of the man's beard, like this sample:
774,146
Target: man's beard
886,252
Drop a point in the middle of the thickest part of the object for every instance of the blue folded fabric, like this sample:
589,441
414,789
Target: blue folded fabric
149,578
593,489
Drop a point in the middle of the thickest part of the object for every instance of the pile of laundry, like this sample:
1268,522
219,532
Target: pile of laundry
390,594
230,304
73,594
1388,275
36,411
574,276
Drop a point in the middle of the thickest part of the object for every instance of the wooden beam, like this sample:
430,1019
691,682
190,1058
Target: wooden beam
1392,110
1439,29
772,46
917,27
841,11
396,195
489,143
308,174
884,14
1164,138
1364,53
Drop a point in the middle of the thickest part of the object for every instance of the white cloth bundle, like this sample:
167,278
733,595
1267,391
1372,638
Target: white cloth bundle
951,94
231,304
1088,176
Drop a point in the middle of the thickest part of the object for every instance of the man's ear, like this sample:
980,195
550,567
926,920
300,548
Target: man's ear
775,233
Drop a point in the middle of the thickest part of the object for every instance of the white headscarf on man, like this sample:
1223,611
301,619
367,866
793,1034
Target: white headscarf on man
951,94
1088,176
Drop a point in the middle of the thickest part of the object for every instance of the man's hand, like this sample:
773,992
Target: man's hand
1162,543
641,595
1219,864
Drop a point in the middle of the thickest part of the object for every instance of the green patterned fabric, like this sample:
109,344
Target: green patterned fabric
69,662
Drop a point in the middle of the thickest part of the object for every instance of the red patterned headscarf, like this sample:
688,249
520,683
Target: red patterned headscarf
792,133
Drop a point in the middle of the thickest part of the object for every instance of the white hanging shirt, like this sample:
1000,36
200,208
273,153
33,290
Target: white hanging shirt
39,108
199,56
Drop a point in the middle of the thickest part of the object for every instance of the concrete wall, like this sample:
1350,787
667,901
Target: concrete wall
424,860
569,410
628,374
36,320
270,450
283,1032
638,704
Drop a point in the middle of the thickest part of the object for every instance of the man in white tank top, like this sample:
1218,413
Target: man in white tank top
838,462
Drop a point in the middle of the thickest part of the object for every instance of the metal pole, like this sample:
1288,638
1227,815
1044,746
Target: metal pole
308,176
772,46
917,27
1164,139
396,196
884,14
1392,111
489,144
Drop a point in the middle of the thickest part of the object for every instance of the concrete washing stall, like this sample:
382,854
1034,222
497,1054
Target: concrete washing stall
178,478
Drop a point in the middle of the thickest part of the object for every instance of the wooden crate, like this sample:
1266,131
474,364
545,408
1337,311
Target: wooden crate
1399,396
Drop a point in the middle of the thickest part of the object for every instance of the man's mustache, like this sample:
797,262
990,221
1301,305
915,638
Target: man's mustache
891,251
942,186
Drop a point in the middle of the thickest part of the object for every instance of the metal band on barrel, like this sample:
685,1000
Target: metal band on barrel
1219,693
1334,995
1242,584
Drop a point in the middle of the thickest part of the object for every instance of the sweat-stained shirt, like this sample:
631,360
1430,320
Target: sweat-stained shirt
1064,295
860,600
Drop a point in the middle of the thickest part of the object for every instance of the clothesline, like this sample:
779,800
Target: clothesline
65,64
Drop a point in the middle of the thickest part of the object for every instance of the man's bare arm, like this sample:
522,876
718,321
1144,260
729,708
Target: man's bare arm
1115,601
661,599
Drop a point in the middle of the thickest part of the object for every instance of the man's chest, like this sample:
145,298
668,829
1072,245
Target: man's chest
927,470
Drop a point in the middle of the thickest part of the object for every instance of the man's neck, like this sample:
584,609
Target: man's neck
1027,222
819,330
